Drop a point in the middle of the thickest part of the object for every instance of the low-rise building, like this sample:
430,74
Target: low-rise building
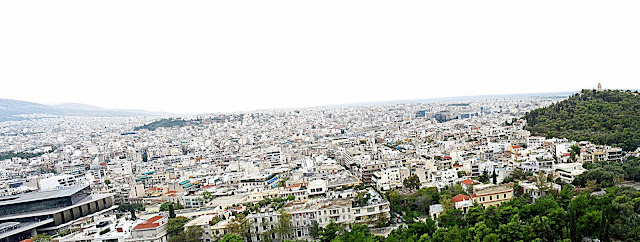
492,195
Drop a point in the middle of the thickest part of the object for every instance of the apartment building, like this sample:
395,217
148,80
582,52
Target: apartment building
492,195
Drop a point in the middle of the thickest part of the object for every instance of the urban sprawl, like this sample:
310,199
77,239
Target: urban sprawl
101,179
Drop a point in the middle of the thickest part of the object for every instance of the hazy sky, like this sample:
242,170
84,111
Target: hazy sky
220,56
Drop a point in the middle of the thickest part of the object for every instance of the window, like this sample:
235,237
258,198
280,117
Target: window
505,195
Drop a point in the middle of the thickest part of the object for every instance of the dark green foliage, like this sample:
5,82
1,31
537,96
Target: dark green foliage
452,217
412,182
166,123
414,205
613,216
127,207
231,238
413,231
172,212
608,117
315,230
607,174
133,213
165,206
22,155
145,157
358,233
176,226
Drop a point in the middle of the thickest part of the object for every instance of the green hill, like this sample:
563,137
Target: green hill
166,123
609,117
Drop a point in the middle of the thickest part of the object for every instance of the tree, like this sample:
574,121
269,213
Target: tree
331,231
517,173
495,177
133,213
172,213
452,217
542,182
381,220
576,149
446,202
605,117
178,238
207,196
165,206
193,234
283,227
41,238
240,225
357,233
315,230
176,225
231,238
412,182
484,177
107,182
362,198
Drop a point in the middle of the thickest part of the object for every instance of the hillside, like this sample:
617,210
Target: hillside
9,108
609,117
13,109
165,123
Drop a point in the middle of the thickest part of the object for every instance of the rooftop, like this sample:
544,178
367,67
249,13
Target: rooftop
150,223
460,198
40,195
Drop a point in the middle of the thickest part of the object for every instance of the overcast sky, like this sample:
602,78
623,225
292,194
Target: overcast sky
221,56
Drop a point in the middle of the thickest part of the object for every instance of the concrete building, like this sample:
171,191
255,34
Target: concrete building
50,211
492,195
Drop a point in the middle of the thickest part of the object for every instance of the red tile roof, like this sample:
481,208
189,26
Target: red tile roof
151,223
296,185
460,198
467,182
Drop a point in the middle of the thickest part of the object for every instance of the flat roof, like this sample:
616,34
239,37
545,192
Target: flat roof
88,199
23,227
40,195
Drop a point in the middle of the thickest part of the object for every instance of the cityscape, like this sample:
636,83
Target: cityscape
290,174
319,121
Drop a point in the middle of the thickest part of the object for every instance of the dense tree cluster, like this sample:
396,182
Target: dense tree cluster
413,205
566,216
165,206
165,123
22,155
608,117
609,174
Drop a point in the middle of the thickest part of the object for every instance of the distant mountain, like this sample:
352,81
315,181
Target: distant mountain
16,110
9,109
90,110
610,117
